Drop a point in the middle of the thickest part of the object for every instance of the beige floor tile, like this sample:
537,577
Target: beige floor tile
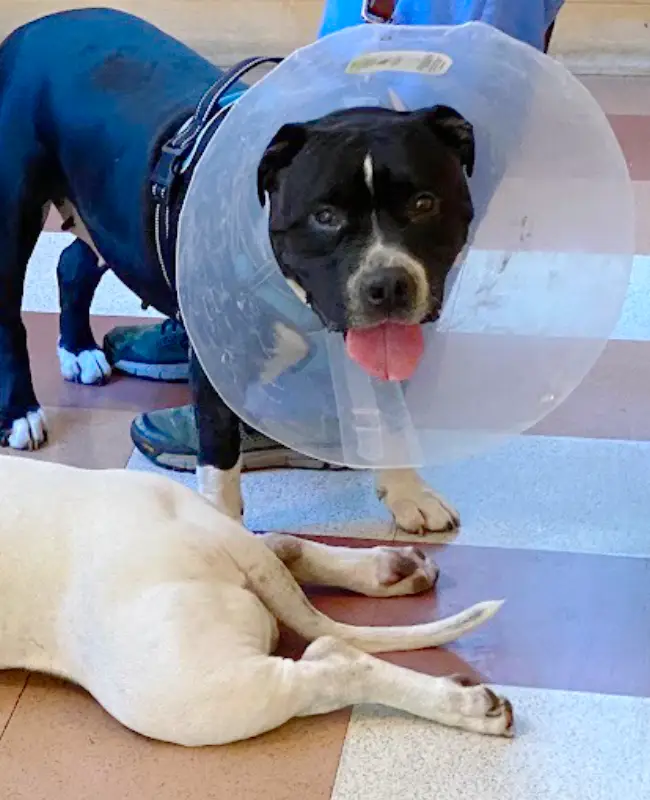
12,683
223,32
60,745
83,437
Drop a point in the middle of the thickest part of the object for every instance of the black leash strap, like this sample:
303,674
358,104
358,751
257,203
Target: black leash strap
176,151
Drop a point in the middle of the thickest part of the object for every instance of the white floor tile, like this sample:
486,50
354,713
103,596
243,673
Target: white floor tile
542,493
569,746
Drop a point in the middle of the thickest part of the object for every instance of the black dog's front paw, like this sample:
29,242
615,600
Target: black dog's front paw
28,432
88,367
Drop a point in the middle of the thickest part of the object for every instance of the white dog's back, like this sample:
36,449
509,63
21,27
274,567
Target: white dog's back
72,540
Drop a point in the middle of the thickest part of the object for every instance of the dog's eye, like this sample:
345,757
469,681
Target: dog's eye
423,204
327,217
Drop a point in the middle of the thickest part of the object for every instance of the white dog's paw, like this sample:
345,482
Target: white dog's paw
400,571
26,433
415,507
89,367
475,707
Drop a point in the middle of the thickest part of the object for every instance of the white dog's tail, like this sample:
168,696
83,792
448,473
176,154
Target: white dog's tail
279,591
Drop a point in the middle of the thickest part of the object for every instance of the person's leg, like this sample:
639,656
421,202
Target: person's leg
531,22
169,438
339,14
549,36
157,352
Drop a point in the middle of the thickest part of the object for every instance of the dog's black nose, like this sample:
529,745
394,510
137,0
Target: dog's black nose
389,289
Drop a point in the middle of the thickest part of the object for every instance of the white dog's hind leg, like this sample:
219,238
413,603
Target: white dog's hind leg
351,676
274,584
333,675
258,694
373,571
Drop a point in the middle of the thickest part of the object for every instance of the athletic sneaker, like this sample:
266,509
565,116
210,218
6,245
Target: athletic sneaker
156,352
169,439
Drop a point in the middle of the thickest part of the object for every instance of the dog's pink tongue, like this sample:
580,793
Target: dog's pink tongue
389,351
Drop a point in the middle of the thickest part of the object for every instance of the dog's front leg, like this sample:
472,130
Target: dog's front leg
218,469
415,507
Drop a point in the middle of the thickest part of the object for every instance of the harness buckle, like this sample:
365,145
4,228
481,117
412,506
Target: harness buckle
165,171
378,11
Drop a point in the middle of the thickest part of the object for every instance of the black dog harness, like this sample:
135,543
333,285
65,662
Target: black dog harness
180,154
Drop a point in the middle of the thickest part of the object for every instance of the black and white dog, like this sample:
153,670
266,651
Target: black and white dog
369,209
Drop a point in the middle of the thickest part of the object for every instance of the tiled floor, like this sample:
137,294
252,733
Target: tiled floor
555,521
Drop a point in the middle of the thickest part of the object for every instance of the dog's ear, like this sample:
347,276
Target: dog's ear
454,131
284,147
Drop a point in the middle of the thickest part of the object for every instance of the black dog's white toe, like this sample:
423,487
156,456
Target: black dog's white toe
28,432
89,367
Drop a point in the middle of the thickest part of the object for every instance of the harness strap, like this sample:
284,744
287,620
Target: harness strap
177,155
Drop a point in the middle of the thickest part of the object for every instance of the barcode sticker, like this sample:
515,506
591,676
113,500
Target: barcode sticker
421,62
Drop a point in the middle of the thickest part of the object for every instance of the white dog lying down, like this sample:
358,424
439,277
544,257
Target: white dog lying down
165,610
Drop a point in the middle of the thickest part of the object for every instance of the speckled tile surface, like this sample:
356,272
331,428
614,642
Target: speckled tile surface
568,747
554,493
535,492
41,291
336,503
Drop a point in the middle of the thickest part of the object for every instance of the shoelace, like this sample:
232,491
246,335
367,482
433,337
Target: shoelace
170,331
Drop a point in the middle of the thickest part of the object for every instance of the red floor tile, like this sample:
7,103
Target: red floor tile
570,621
92,438
611,402
53,221
633,133
122,393
642,203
